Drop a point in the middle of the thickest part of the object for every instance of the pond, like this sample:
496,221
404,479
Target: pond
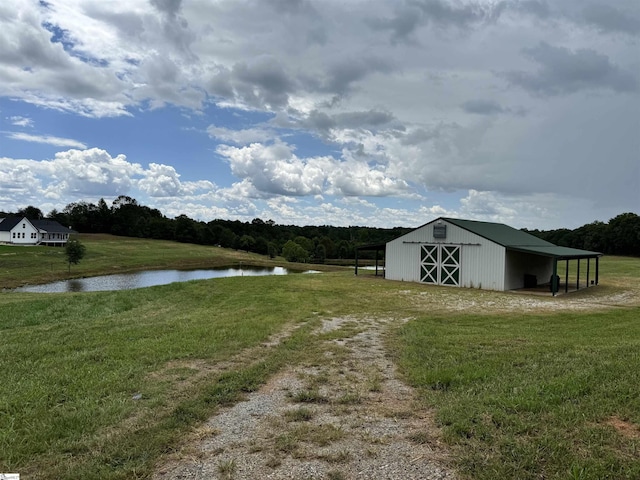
149,278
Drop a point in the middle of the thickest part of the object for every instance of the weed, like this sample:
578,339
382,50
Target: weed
301,414
227,468
308,396
419,438
286,443
350,398
343,456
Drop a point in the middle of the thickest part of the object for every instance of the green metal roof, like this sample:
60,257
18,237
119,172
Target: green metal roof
518,240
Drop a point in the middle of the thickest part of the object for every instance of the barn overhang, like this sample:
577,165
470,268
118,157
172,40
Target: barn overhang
557,254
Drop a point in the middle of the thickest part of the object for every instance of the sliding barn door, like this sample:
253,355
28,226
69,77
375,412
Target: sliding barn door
440,264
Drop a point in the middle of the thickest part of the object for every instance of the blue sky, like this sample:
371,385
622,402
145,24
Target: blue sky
366,112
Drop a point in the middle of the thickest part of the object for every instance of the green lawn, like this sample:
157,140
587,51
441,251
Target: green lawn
102,385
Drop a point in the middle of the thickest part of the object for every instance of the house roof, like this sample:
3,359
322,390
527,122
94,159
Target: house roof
48,226
8,223
520,241
51,226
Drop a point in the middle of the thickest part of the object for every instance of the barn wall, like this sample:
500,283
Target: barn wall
482,261
519,263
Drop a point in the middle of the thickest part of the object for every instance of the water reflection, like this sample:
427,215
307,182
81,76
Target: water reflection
128,281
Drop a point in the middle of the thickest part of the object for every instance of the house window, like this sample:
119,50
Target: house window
22,234
14,234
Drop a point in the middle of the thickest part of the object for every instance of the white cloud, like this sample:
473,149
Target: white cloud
240,137
275,169
19,121
47,139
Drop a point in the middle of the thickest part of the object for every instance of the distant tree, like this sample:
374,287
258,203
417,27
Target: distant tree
293,252
31,212
272,250
624,234
74,252
305,243
261,246
320,254
247,242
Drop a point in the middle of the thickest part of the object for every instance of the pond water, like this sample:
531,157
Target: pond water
150,278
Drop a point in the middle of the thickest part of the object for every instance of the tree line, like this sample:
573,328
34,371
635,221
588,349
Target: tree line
125,216
619,236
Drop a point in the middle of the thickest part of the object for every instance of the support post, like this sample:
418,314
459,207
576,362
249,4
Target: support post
554,278
566,278
588,268
356,261
597,268
578,276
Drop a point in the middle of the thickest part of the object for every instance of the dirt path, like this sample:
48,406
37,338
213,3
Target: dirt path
345,417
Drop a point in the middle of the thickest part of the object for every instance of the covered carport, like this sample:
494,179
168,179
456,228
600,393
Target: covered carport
555,254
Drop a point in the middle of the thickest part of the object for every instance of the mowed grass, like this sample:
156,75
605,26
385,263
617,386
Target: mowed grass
99,385
532,396
105,384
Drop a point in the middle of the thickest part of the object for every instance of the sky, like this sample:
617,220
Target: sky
324,112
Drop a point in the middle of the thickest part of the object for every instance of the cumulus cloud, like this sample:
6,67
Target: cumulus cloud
276,170
161,181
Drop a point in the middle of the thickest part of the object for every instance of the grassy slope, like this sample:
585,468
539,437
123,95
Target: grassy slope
518,395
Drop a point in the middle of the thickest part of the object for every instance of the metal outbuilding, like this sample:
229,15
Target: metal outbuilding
473,254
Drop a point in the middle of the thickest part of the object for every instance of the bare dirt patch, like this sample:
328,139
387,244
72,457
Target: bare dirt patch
483,301
343,416
626,429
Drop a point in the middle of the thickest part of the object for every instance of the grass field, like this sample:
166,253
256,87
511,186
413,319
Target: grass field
104,384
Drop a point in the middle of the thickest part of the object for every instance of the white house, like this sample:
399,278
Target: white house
472,254
22,231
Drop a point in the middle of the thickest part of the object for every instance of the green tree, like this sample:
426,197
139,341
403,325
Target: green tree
74,252
624,234
293,252
273,250
247,242
31,212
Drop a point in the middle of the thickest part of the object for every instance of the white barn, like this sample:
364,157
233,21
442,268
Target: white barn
472,254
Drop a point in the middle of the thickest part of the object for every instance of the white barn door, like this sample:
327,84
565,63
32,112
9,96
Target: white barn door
440,264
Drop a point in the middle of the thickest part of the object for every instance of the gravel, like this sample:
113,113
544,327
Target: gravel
362,427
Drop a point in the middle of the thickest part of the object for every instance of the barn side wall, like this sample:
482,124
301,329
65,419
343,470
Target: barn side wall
482,261
519,263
